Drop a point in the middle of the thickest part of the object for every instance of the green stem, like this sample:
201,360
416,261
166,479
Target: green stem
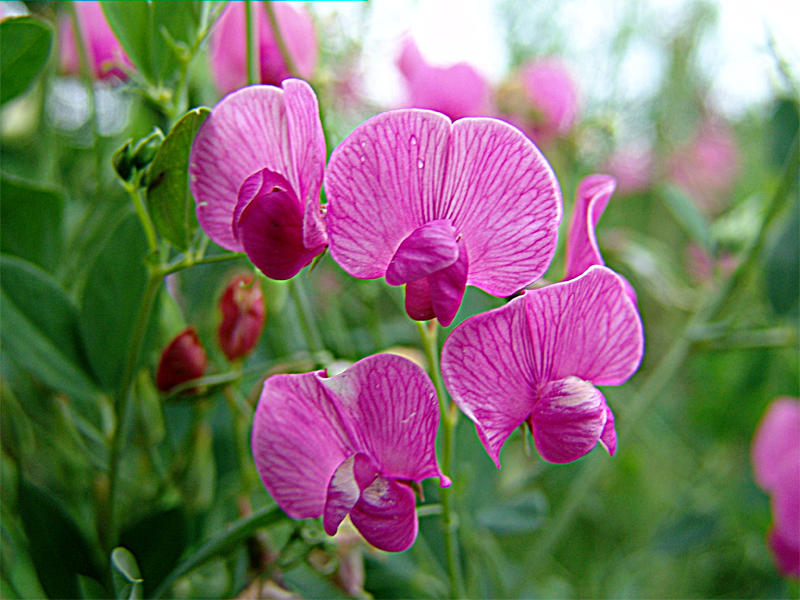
242,414
222,543
449,419
595,465
276,32
122,399
187,261
250,37
307,323
144,217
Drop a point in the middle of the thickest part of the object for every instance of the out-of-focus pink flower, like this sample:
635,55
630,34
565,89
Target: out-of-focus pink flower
229,45
456,91
538,359
775,454
242,307
182,360
706,167
550,100
355,443
105,54
632,168
437,205
703,268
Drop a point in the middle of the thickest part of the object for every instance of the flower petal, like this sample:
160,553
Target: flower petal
271,231
586,327
503,197
487,365
786,499
392,405
568,419
609,436
428,249
777,436
591,199
258,184
348,481
386,516
307,142
383,182
299,440
418,300
447,286
787,555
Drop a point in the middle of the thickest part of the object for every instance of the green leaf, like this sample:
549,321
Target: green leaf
159,37
111,301
40,328
31,217
25,45
168,197
126,576
783,267
58,549
688,215
521,514
158,540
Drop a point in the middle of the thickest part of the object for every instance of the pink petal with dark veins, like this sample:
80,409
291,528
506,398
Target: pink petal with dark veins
386,516
426,250
447,287
348,481
591,199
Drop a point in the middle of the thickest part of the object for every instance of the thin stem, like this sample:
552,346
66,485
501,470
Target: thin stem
595,465
187,261
276,32
122,398
144,217
307,323
449,421
250,37
242,414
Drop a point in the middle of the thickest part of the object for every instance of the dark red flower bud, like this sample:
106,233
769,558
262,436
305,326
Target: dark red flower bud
242,306
183,359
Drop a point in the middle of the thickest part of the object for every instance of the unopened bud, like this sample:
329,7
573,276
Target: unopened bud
146,149
242,306
183,359
121,159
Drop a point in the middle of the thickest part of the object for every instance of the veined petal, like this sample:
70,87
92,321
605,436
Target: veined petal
587,327
487,365
259,183
307,142
386,516
348,481
447,286
503,197
426,250
383,182
392,405
271,231
777,436
568,419
299,440
609,436
591,199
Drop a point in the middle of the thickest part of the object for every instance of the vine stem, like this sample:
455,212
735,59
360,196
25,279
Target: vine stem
144,217
669,365
307,323
250,37
284,49
449,419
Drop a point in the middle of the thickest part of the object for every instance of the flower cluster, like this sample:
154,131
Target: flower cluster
433,205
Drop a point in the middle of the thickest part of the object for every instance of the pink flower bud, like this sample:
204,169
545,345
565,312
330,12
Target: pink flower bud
183,359
553,98
242,306
104,52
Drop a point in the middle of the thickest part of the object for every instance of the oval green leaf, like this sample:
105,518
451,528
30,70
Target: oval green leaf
25,46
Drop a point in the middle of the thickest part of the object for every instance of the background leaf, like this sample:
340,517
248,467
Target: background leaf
126,575
169,200
31,217
25,45
688,215
40,328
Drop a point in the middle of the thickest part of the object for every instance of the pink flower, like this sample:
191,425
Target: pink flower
537,360
775,454
438,205
707,166
229,50
105,54
456,91
182,360
354,443
552,98
256,170
242,307
632,168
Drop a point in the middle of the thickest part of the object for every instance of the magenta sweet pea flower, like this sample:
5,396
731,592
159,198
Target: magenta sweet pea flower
256,170
457,91
354,443
229,50
437,205
552,96
632,167
775,455
538,359
105,54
